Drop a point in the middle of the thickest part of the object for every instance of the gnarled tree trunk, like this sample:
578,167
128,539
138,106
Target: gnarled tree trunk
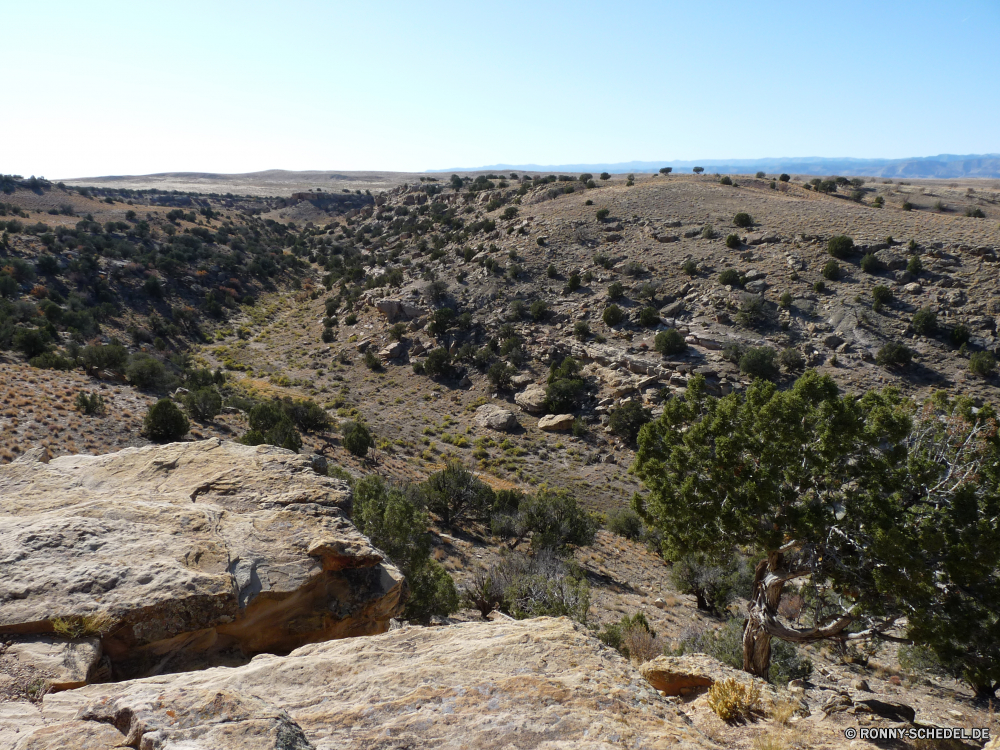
767,588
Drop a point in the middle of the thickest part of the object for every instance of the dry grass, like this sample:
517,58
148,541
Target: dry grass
80,626
734,701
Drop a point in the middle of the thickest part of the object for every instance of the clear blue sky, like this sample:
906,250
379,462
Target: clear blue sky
98,87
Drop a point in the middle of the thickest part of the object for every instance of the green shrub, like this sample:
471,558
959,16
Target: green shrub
975,213
925,321
649,317
983,364
732,241
456,495
625,522
31,342
539,310
616,635
616,290
743,220
726,180
907,206
791,359
356,438
535,586
628,419
731,277
552,272
372,362
613,315
831,271
203,404
146,372
573,282
753,313
960,335
894,354
784,177
882,294
581,330
786,299
438,362
714,582
89,403
164,422
670,341
690,268
915,265
760,362
555,520
271,425
602,214
840,246
870,264
819,287
500,375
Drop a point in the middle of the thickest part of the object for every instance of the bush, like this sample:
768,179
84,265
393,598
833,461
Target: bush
760,362
146,372
536,586
649,317
164,422
670,341
89,403
753,313
882,294
438,362
925,321
203,404
870,264
357,438
714,583
613,315
621,636
732,241
555,520
371,360
690,268
31,342
731,277
819,286
791,359
785,300
743,220
581,330
840,246
960,335
271,425
975,213
894,354
628,419
111,357
983,364
616,290
915,265
500,376
539,310
784,177
627,523
831,271
726,180
734,701
456,495
602,214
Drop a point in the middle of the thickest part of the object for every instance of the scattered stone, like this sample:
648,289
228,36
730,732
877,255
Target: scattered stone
556,422
913,287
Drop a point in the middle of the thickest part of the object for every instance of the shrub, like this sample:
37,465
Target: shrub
563,395
146,372
734,701
628,419
555,520
960,335
164,422
760,362
31,342
670,341
894,354
535,586
983,364
731,277
975,213
625,522
714,582
357,438
328,335
882,294
819,286
743,220
438,362
271,425
726,180
732,241
840,246
870,264
456,495
573,283
831,271
581,330
791,359
649,317
539,310
690,267
632,637
784,177
708,232
552,272
878,201
613,315
89,403
203,404
602,214
785,300
616,290
372,362
915,265
753,313
925,321
760,175
907,206
500,375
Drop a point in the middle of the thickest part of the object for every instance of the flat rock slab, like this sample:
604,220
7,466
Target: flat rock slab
187,548
542,683
680,675
556,422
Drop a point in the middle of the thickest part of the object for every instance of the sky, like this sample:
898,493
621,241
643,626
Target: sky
100,88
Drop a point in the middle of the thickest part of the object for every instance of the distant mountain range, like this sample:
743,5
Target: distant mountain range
942,166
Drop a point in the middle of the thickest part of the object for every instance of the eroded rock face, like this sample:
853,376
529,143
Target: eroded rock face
542,683
189,548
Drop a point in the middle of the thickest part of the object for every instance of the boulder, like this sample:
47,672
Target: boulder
395,310
497,418
680,675
913,287
531,399
891,711
395,350
556,423
539,683
174,554
890,260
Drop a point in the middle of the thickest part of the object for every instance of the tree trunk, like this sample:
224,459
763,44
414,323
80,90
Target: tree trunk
763,606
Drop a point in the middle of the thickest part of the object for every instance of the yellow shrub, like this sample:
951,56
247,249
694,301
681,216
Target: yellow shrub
734,701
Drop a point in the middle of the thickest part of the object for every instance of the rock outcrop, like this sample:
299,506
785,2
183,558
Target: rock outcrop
680,675
543,683
494,417
176,553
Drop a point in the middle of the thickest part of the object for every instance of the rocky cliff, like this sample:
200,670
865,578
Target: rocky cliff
158,559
